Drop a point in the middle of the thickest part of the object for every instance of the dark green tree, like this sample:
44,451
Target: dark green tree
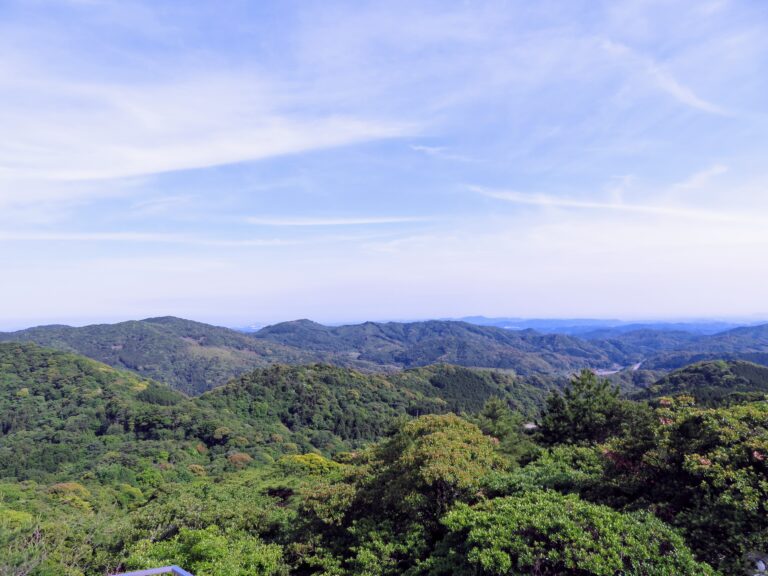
589,410
497,420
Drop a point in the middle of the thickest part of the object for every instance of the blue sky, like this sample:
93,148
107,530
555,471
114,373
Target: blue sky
241,162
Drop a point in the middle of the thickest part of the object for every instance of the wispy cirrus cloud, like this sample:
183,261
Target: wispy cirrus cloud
159,238
701,178
441,152
334,130
122,131
142,238
159,205
660,209
331,221
662,78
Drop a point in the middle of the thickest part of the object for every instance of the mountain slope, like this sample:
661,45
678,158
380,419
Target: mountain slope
714,383
329,408
748,343
415,344
641,343
194,357
65,415
189,356
62,413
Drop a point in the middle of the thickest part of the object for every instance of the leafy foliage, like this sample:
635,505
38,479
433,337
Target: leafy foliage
212,553
705,472
62,415
547,533
321,470
588,410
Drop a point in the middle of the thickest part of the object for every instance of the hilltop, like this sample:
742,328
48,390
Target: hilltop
748,343
194,357
414,344
189,356
714,383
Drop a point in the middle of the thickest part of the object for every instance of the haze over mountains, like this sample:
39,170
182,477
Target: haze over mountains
593,327
194,357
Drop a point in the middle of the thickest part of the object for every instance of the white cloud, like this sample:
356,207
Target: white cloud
186,240
159,205
83,136
672,86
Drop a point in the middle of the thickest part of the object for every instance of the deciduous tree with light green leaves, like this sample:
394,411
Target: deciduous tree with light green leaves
549,534
210,552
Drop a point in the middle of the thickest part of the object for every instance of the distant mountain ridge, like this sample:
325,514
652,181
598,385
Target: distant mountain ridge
189,356
585,327
194,357
748,343
438,341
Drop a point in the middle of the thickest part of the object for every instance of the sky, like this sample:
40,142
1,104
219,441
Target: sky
245,162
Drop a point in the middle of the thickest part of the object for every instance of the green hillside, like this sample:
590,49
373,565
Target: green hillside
62,414
749,343
422,343
194,357
327,408
189,356
714,383
102,471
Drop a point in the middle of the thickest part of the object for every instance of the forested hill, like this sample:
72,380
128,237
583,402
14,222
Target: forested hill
714,383
62,414
320,470
748,343
194,357
525,351
188,356
435,341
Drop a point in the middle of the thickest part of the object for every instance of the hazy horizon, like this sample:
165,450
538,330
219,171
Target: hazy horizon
350,161
239,324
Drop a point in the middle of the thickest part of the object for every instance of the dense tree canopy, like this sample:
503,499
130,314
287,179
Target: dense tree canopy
318,470
547,533
588,410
